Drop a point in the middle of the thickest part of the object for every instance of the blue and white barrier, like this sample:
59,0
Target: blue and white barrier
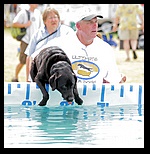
25,93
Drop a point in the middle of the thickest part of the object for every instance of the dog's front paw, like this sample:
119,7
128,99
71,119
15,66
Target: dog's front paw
79,101
42,103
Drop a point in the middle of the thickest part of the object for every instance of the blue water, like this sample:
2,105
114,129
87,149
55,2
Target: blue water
74,126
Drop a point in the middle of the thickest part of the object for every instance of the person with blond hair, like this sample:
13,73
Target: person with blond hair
51,29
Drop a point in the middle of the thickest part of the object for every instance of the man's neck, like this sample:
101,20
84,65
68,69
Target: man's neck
83,39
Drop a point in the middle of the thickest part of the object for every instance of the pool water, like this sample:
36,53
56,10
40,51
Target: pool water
119,126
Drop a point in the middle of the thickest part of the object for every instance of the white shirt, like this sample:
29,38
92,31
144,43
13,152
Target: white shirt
35,18
92,63
42,33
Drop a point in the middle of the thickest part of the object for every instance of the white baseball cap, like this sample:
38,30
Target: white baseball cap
88,15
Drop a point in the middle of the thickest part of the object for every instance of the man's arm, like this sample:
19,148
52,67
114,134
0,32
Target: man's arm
115,24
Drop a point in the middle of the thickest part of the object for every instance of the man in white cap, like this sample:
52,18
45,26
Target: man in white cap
93,60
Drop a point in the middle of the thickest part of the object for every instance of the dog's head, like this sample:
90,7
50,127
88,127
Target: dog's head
64,83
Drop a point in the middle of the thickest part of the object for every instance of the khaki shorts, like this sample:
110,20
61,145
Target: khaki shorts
22,55
128,34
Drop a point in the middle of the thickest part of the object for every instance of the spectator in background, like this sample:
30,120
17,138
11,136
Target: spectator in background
126,17
21,20
52,28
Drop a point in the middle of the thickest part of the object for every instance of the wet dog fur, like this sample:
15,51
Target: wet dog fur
52,66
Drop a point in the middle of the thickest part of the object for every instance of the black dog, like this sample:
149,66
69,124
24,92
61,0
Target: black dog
53,66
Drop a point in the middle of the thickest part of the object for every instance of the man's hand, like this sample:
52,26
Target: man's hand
123,79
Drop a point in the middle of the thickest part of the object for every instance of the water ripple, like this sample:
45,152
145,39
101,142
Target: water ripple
75,126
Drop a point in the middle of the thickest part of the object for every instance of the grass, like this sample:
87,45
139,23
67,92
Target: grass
6,30
10,57
134,70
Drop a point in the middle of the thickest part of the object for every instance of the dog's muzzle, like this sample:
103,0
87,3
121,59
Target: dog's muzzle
69,98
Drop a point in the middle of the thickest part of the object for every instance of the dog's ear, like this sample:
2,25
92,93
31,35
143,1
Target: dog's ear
52,80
